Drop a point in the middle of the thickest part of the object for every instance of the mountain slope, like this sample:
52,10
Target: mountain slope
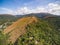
6,17
18,28
54,21
40,15
32,31
40,33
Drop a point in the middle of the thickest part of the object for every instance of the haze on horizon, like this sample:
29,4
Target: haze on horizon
17,7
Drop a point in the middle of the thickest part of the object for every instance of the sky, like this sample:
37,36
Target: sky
20,7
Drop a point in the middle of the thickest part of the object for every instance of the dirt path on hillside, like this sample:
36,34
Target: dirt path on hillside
18,28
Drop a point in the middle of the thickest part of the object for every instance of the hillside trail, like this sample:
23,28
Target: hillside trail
18,28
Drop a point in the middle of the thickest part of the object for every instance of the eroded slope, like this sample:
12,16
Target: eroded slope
18,28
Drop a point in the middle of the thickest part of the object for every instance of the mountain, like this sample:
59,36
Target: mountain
31,30
18,28
40,33
6,17
53,19
40,15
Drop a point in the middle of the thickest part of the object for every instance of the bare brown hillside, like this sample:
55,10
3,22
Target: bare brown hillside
18,28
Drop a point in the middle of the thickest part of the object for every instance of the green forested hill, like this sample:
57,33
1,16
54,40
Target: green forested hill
7,17
54,21
6,20
42,32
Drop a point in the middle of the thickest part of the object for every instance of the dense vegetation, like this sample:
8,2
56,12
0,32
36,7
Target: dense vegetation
6,18
54,21
5,21
44,32
40,33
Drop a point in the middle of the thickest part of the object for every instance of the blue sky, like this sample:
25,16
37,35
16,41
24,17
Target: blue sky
18,5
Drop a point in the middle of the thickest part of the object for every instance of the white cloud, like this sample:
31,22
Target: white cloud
40,9
26,10
23,10
52,8
7,11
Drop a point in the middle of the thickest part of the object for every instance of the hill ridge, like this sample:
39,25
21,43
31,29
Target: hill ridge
18,28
